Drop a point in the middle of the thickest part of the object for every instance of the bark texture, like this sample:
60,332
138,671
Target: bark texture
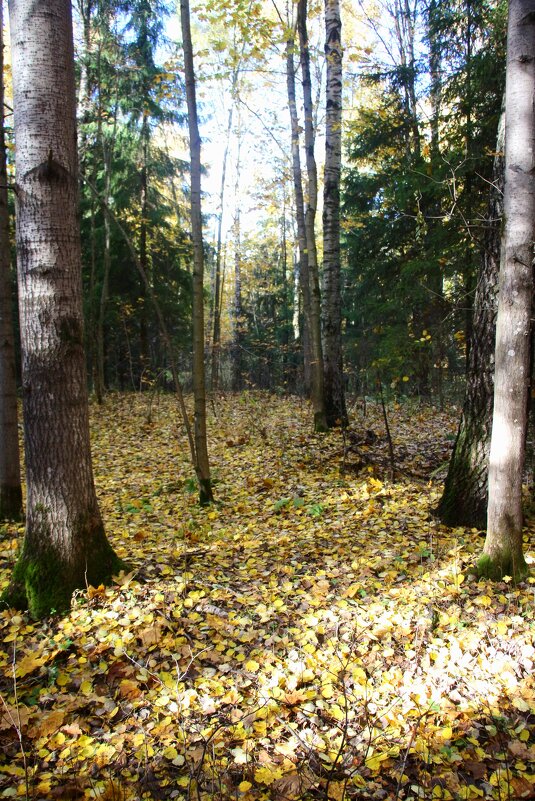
297,175
10,486
217,296
465,496
502,553
335,406
317,372
237,311
202,465
65,546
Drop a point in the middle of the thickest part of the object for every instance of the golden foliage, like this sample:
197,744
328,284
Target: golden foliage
315,633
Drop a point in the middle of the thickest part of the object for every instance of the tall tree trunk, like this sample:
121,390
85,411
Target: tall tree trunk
404,25
199,392
85,87
85,10
237,334
10,486
502,553
435,73
464,500
286,313
65,546
100,384
317,372
107,158
335,406
144,353
237,313
216,328
468,261
304,277
435,276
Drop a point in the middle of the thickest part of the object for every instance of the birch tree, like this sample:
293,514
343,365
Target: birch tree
502,552
335,406
65,546
299,205
314,313
237,311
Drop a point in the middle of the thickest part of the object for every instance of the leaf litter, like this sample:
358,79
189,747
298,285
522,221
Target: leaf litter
315,634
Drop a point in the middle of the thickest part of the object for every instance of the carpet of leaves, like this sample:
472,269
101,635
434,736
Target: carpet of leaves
315,634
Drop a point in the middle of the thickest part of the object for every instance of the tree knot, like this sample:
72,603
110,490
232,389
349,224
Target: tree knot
49,171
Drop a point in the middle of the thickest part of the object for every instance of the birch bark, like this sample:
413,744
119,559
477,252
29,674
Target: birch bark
502,552
335,406
317,372
297,175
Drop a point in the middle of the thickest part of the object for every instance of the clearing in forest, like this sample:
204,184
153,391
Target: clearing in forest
315,634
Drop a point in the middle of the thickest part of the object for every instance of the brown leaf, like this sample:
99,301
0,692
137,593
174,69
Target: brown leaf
522,787
47,723
151,635
129,689
71,791
73,729
95,592
12,717
292,786
476,769
294,698
521,750
29,663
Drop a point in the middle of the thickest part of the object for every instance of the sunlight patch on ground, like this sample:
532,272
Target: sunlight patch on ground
316,632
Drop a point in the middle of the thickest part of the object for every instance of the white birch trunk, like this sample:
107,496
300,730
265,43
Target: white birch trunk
303,282
502,552
318,391
332,290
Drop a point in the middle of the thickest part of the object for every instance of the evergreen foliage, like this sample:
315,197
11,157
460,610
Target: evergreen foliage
415,199
131,174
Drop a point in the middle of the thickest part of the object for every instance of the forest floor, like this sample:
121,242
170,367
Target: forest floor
315,634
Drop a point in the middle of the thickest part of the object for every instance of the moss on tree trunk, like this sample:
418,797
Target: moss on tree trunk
43,583
504,563
65,547
320,424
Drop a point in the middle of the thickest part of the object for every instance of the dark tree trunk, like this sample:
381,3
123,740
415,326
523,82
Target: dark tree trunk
65,546
464,500
10,486
199,391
